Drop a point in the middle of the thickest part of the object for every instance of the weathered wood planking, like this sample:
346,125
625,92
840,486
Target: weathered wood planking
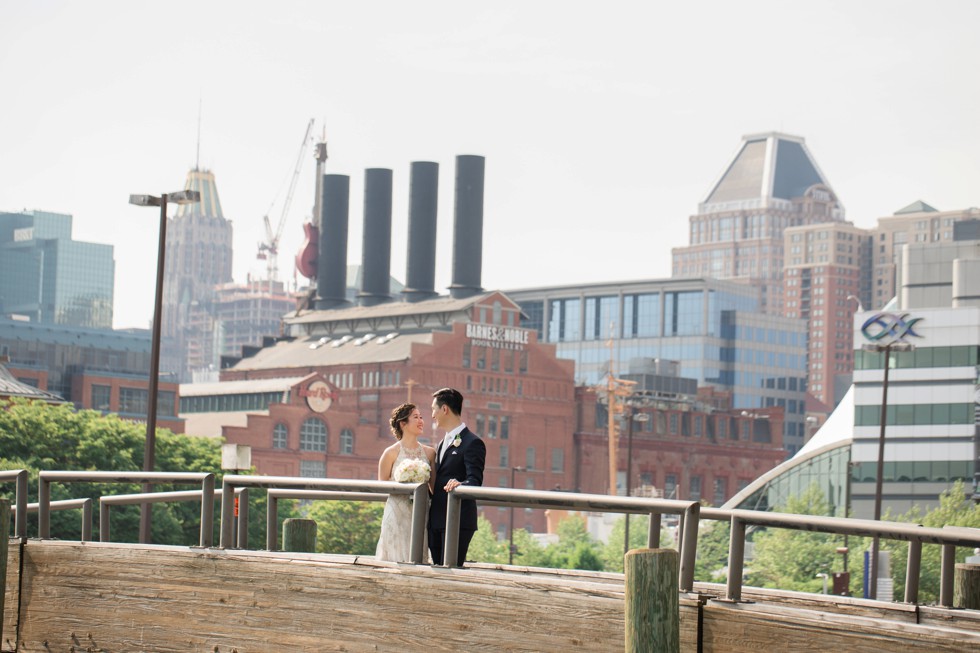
122,597
751,627
171,599
11,593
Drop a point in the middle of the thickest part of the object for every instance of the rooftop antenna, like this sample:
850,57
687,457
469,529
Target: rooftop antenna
197,161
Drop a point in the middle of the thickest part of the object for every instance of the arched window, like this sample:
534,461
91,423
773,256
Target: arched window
347,441
313,435
280,436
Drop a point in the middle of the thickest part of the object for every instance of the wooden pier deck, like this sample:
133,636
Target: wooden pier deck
72,596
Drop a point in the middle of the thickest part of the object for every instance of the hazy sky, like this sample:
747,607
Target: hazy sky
603,124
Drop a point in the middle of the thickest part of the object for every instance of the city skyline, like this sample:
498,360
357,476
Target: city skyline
630,115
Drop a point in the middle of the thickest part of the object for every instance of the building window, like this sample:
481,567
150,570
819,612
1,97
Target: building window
721,490
466,354
313,435
280,436
312,469
695,494
133,401
673,423
670,486
504,427
504,456
492,427
479,425
100,397
530,458
557,460
347,442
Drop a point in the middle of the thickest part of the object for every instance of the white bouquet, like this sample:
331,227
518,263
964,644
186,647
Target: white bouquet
411,470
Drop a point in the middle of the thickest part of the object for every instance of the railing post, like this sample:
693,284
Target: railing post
207,511
451,546
420,504
271,522
43,507
736,559
87,520
653,533
689,546
652,601
947,573
243,518
913,569
227,513
20,523
103,521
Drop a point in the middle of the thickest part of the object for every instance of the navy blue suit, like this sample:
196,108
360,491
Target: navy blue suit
465,464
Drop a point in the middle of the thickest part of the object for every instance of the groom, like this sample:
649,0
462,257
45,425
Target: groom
459,461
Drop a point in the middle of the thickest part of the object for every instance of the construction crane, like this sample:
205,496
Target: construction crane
269,248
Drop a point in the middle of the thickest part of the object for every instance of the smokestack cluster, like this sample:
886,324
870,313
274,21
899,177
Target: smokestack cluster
376,252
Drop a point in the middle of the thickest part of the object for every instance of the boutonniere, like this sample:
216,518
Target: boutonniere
457,441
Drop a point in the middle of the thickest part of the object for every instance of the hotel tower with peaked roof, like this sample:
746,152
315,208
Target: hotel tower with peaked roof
771,183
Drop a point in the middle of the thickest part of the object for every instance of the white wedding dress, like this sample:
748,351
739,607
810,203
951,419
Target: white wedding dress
395,543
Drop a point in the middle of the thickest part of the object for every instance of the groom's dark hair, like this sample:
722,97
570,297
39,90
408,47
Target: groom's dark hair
451,398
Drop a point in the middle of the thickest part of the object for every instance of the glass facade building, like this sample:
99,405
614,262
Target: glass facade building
714,329
47,277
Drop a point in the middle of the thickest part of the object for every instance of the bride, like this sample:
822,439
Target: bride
406,421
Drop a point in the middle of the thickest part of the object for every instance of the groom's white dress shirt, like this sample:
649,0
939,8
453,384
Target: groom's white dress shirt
448,440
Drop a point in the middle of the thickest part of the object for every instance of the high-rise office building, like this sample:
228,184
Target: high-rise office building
712,328
47,277
826,280
199,257
772,182
917,223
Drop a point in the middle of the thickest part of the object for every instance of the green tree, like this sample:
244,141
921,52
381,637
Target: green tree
347,527
36,436
713,541
612,552
791,559
484,547
954,509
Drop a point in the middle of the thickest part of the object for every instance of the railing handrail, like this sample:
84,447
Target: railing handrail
68,504
272,507
419,492
206,479
915,534
105,501
688,510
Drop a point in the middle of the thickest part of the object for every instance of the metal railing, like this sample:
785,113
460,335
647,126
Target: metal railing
419,493
107,501
688,510
915,535
272,508
68,504
19,476
46,478
284,487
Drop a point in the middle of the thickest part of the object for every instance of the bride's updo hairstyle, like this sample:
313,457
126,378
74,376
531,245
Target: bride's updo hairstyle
399,416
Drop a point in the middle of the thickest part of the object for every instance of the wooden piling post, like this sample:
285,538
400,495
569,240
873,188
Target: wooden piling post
299,535
652,601
966,586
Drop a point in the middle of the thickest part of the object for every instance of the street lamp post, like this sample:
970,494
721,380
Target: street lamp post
510,548
149,450
886,349
632,416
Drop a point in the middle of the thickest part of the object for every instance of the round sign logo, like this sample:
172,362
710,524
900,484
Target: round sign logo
318,397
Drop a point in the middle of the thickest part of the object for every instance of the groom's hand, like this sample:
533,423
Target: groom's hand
452,485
